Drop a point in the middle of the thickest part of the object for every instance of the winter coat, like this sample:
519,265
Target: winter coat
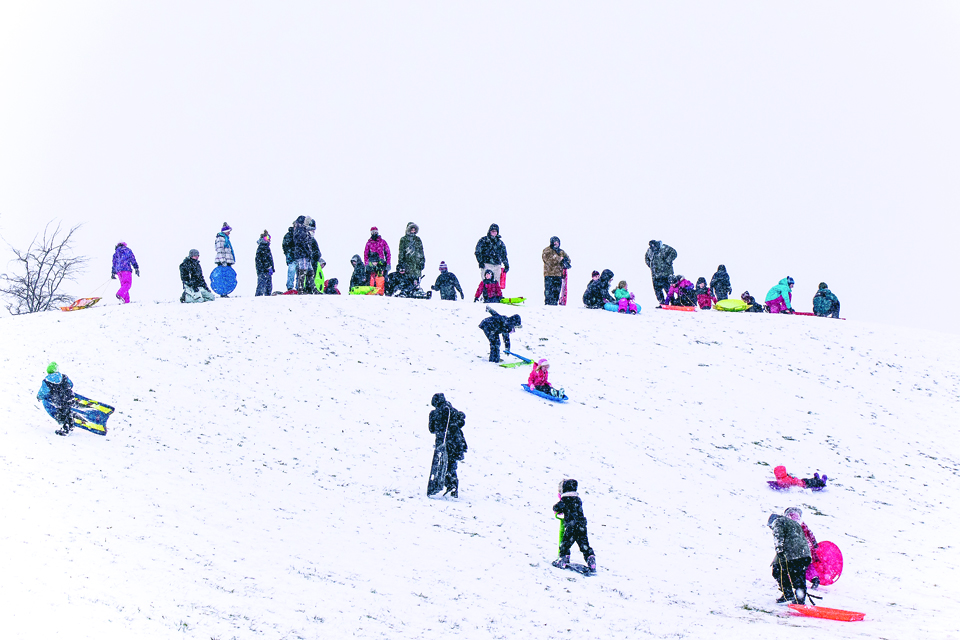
410,252
399,284
287,246
721,280
448,286
660,259
360,278
492,250
191,274
789,538
124,260
490,290
56,390
264,258
539,377
620,293
224,248
681,294
571,508
330,287
784,479
378,249
315,254
705,297
498,325
554,261
446,422
302,241
824,302
598,291
780,290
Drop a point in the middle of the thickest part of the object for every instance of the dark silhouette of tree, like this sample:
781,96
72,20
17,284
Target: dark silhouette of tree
42,268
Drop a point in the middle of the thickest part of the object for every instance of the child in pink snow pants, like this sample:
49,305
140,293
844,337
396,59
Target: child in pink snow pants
124,262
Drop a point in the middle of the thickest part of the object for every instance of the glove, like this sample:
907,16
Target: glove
476,299
113,276
138,272
479,265
219,264
271,271
506,269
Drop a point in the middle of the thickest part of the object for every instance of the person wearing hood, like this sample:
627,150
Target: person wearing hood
302,243
287,246
446,424
489,289
705,296
555,262
779,297
123,262
410,252
598,291
195,287
793,557
496,326
264,264
447,284
56,396
720,283
660,259
491,253
402,285
309,286
224,249
376,255
752,305
359,277
570,510
330,287
825,304
681,292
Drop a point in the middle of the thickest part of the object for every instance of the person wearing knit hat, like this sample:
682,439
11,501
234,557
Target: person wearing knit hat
376,256
123,263
264,265
825,303
497,326
573,526
195,287
224,250
56,396
447,284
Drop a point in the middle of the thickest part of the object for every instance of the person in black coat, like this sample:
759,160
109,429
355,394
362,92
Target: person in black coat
447,284
402,285
491,252
287,245
359,277
195,287
447,423
752,305
570,509
264,265
720,283
494,327
302,251
598,291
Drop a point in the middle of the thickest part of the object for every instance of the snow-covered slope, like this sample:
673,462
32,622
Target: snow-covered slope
265,472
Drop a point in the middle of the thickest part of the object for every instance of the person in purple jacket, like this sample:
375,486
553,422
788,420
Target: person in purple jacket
123,263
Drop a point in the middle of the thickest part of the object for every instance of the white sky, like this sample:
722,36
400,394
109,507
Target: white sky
817,139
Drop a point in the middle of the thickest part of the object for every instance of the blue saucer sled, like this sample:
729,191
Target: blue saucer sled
223,280
543,395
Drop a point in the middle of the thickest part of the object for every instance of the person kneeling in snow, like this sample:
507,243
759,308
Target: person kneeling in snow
792,559
496,326
538,379
195,287
56,395
570,510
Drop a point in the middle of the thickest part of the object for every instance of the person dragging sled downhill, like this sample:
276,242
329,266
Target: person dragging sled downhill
56,395
792,559
447,423
570,510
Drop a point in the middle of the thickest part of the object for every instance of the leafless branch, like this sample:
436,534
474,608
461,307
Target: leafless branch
41,269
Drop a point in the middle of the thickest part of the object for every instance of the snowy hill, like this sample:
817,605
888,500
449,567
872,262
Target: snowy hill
264,475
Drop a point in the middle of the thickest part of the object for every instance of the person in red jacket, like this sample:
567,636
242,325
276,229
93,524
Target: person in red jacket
489,289
539,379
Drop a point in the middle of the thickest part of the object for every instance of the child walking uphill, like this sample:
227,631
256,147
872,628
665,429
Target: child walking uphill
705,297
574,527
625,303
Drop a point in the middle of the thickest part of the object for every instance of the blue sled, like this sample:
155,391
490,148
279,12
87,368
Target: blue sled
609,306
544,395
223,280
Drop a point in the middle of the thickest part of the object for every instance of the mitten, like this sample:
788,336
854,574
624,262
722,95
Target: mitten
137,272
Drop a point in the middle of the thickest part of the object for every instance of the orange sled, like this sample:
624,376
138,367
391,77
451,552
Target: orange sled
82,303
673,307
826,613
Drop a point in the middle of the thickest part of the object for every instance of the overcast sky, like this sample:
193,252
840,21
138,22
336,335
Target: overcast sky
819,139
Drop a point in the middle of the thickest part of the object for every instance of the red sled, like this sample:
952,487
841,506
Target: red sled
827,613
673,307
503,279
82,303
807,313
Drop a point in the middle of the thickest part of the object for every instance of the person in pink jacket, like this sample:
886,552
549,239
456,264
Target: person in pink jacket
539,376
376,254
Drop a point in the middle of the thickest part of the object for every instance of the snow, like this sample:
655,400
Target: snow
264,475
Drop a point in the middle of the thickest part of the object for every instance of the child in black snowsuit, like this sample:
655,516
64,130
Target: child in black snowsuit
752,305
496,326
447,284
720,283
570,508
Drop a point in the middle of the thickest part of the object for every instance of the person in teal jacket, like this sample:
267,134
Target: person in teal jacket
779,297
56,395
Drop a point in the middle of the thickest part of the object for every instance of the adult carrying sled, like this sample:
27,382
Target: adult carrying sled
547,396
438,470
82,303
223,280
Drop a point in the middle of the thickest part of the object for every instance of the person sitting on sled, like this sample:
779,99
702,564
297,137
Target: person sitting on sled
56,395
785,480
681,293
795,514
625,299
538,379
752,305
570,510
792,559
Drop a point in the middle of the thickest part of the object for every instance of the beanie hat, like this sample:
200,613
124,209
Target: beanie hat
121,244
542,362
773,517
823,285
193,254
794,513
789,280
595,274
374,230
53,367
265,235
443,266
225,227
568,485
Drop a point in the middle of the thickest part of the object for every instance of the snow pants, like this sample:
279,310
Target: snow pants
661,284
551,289
791,575
197,295
722,293
778,305
126,279
264,284
450,480
578,535
626,305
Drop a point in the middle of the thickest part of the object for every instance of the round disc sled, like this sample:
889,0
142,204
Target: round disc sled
223,280
829,564
731,304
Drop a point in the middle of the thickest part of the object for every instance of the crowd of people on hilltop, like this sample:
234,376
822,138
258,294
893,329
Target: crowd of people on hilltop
371,274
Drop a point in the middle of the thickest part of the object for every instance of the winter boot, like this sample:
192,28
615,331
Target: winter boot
801,595
562,561
592,563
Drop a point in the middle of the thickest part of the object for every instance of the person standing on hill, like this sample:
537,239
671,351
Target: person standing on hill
792,559
359,277
825,304
302,252
410,252
570,510
779,297
446,423
555,262
287,246
660,259
491,253
720,283
598,291
376,255
447,284
264,264
224,256
123,262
